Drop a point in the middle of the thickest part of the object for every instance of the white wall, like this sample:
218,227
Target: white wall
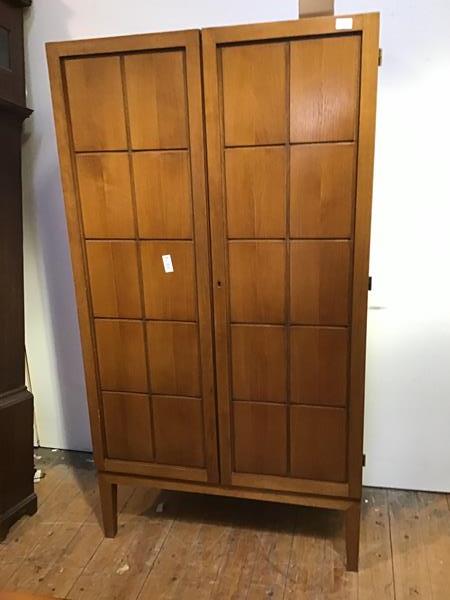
408,382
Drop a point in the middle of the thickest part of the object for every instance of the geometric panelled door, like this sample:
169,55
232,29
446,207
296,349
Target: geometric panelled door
283,241
136,129
218,191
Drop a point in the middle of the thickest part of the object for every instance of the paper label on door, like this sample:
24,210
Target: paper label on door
344,23
167,262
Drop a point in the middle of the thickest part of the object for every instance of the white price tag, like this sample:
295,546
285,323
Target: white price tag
167,262
344,23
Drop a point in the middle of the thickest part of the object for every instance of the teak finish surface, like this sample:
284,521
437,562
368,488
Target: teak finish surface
289,110
130,133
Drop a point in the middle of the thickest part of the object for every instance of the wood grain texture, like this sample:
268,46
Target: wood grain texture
257,281
173,354
366,148
114,279
410,564
156,91
163,194
169,295
128,426
254,94
318,443
256,192
240,544
320,282
105,195
178,431
247,279
121,355
106,182
376,578
319,365
322,190
94,88
320,289
254,422
259,363
324,89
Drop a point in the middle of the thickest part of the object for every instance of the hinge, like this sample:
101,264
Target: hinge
380,56
364,460
369,285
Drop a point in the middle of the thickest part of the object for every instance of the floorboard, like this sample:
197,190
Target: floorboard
211,548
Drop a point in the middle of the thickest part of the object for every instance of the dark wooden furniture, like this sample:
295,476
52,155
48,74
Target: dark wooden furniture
289,110
16,403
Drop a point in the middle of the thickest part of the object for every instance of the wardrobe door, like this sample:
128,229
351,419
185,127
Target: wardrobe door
290,115
130,128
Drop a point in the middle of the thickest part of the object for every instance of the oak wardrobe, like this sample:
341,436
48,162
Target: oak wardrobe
218,192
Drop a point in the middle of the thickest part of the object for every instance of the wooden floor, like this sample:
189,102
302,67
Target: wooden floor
202,547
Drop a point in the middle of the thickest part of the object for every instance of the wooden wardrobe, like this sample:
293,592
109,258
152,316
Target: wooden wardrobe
17,496
218,194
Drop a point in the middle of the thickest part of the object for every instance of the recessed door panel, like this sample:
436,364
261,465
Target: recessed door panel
169,289
121,355
105,195
174,358
114,278
322,190
128,426
157,103
95,95
324,96
318,443
254,94
257,281
179,431
319,365
256,192
163,194
260,440
320,282
283,113
259,362
131,141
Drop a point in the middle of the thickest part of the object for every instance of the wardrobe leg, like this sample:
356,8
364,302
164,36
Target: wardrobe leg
108,501
352,521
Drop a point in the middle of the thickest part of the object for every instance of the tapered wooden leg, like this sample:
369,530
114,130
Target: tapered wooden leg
352,521
108,501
